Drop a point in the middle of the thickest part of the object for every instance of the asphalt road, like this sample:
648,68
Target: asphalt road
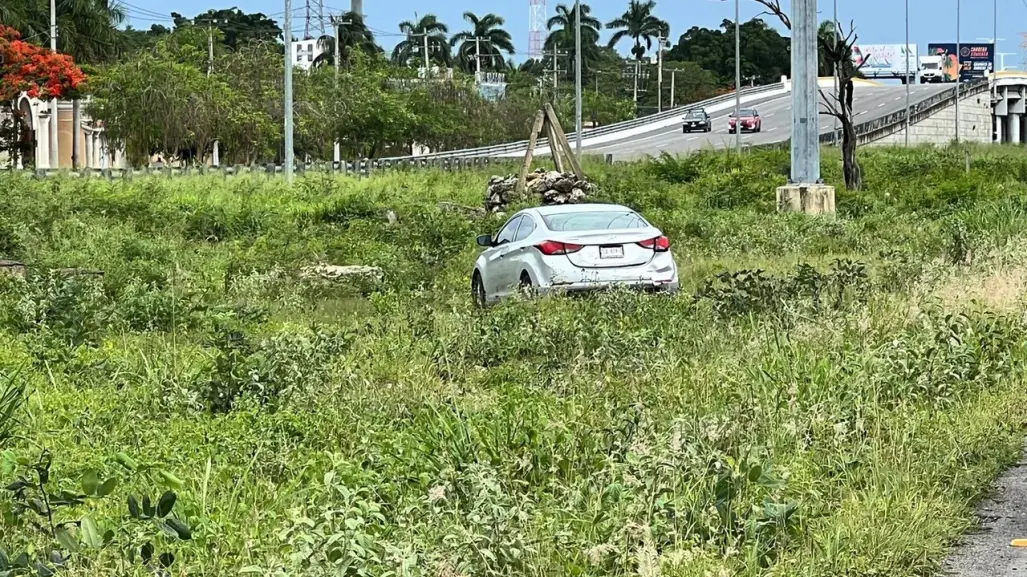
868,102
985,551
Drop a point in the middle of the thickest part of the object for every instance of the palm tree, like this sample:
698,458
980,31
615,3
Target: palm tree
639,24
353,35
428,32
88,28
561,35
483,45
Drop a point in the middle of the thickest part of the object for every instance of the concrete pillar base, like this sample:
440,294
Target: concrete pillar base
806,198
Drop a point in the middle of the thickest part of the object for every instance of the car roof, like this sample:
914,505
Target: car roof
584,207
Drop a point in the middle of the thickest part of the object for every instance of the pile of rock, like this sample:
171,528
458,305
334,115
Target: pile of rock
336,272
550,187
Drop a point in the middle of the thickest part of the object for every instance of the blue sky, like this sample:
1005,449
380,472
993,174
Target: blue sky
877,21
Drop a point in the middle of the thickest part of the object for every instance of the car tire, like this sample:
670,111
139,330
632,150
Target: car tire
478,290
525,286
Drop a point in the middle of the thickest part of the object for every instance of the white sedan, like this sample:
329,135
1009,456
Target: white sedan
573,247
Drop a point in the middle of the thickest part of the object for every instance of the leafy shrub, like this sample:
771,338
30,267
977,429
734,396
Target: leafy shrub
11,246
265,371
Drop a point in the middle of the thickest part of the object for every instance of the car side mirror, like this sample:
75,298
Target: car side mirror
485,240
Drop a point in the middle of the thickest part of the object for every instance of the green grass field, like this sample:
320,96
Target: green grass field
826,396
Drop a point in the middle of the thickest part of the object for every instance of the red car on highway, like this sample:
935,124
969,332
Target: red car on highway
748,119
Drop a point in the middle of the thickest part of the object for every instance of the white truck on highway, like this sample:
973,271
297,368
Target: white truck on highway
931,69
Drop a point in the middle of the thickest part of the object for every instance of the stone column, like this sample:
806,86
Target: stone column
215,157
998,128
1013,128
96,150
43,141
87,136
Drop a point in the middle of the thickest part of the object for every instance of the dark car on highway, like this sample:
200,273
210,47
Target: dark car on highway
696,120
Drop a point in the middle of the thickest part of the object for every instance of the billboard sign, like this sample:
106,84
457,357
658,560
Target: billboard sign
973,61
885,60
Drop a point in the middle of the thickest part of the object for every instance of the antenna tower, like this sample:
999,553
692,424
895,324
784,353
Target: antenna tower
315,11
536,27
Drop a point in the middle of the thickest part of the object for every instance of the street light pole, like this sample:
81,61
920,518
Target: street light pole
289,152
337,146
738,81
577,78
834,70
55,161
959,65
907,73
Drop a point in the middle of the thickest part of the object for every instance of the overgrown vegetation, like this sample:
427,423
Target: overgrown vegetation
826,397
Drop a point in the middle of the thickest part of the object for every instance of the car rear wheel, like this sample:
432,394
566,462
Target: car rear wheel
478,290
526,288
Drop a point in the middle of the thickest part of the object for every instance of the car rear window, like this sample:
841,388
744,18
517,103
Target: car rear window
583,221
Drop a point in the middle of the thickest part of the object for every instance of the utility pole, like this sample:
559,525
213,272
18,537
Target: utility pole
805,144
577,78
477,56
427,64
210,48
659,73
556,72
738,78
634,91
336,146
54,154
289,152
959,66
673,74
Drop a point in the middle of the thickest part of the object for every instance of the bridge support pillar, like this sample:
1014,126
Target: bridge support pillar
1013,128
998,129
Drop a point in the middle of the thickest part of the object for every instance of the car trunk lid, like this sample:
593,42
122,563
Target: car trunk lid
606,249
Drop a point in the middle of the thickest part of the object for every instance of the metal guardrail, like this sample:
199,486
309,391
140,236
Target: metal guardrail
872,130
360,168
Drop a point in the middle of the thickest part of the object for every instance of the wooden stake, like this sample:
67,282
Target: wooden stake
536,127
554,147
564,143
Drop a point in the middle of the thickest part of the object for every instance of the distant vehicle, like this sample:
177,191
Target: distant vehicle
749,120
572,248
931,69
696,119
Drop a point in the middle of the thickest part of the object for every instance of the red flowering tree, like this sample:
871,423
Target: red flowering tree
25,67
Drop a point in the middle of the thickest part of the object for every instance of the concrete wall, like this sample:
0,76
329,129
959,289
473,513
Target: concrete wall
975,124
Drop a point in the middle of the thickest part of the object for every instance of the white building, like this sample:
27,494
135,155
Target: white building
304,52
94,150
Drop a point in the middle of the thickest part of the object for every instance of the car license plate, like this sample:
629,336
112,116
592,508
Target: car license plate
611,252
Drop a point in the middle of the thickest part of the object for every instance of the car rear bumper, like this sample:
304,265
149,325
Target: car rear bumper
670,286
659,274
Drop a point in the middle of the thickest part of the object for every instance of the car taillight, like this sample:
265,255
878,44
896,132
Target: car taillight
552,247
658,244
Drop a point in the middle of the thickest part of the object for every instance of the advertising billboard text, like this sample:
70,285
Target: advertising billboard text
973,61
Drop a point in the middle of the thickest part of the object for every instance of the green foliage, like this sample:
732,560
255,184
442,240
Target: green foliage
823,398
765,53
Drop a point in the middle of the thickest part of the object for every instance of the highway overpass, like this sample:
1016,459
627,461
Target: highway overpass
879,111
